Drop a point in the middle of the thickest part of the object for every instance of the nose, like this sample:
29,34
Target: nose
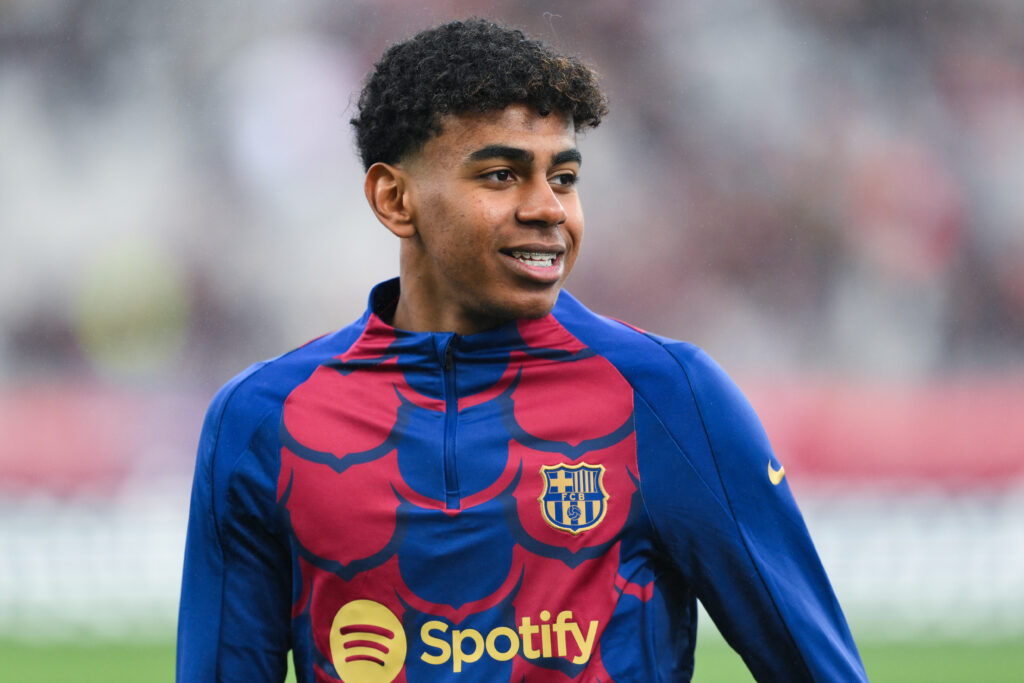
540,206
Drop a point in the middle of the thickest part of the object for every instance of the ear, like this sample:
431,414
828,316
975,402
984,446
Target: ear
387,191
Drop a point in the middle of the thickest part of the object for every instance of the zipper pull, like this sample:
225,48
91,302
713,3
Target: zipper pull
449,354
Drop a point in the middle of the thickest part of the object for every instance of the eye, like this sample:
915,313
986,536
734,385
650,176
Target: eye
565,179
502,175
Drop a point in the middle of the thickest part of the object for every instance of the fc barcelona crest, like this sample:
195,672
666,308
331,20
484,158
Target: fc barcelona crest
574,498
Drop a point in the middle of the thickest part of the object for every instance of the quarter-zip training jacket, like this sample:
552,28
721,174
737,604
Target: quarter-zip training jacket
544,501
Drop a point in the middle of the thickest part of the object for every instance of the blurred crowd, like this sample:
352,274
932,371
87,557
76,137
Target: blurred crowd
812,186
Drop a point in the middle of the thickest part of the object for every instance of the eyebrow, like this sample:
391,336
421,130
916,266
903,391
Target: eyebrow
501,152
521,155
567,156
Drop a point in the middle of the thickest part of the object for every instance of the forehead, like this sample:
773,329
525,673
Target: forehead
517,126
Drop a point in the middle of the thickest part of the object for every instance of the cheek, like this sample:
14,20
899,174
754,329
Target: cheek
491,214
574,222
574,236
570,261
440,221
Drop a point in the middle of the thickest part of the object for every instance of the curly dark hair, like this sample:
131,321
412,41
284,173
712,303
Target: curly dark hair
460,67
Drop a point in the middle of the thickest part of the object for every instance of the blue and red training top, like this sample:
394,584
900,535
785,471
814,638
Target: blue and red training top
544,501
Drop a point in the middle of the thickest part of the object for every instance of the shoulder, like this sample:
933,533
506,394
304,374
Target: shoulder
656,366
239,443
684,400
243,404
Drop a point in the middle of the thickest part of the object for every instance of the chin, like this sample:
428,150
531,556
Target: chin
520,306
534,309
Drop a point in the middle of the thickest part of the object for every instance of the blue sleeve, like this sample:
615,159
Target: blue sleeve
234,615
735,535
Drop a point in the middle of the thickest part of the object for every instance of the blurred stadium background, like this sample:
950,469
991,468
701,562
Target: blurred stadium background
828,195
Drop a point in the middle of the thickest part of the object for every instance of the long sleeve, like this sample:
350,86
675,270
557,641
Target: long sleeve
713,489
235,600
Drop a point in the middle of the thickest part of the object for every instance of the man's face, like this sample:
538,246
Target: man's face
497,217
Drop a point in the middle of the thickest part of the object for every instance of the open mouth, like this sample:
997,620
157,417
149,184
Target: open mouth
538,259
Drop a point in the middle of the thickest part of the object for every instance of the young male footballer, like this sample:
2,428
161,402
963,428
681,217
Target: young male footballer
480,479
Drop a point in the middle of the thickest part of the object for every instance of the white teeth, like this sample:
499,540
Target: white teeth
535,258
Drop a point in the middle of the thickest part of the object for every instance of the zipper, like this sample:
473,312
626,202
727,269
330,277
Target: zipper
452,500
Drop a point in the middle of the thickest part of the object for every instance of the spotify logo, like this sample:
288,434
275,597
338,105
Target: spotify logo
367,643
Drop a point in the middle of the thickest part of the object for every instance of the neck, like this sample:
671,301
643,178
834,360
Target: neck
415,314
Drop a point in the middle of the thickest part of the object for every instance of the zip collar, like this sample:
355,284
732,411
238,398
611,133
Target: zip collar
379,338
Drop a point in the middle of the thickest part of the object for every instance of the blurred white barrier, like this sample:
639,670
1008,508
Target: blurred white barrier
98,567
908,564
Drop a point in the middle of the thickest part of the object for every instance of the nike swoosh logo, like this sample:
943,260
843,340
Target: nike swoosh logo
775,475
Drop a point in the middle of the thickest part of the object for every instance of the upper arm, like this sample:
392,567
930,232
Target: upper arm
737,536
235,599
